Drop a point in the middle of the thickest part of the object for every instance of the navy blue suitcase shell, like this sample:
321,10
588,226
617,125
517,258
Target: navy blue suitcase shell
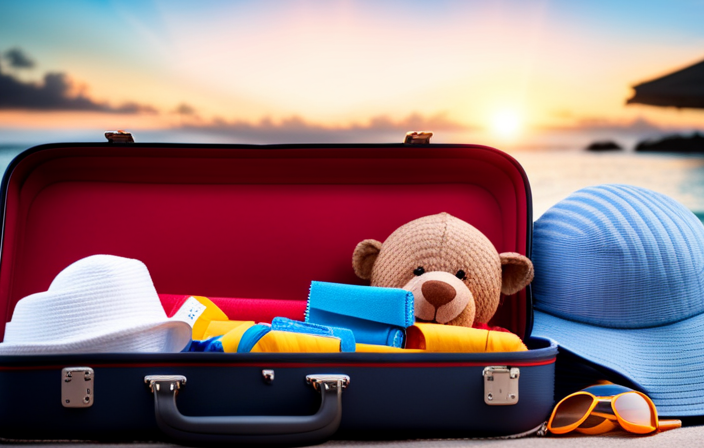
259,222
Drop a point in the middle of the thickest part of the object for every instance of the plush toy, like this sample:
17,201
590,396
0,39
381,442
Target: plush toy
455,273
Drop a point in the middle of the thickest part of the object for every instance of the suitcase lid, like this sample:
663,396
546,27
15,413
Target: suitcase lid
250,221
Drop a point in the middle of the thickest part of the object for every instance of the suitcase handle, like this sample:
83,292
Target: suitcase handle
289,430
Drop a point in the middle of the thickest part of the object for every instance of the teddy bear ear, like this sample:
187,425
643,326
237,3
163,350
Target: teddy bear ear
364,257
516,272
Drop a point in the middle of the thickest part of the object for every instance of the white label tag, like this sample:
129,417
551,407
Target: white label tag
190,311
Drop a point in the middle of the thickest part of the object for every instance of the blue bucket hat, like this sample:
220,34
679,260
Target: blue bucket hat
619,282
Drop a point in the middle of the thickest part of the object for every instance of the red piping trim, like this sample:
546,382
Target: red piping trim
300,365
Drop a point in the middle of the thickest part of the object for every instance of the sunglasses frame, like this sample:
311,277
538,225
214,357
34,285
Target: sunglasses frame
604,426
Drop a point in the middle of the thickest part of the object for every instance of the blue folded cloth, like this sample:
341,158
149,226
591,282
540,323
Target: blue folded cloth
375,315
206,345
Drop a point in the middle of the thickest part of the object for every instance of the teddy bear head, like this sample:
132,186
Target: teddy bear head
455,273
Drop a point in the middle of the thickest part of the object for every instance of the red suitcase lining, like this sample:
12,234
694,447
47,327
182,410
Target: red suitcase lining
246,222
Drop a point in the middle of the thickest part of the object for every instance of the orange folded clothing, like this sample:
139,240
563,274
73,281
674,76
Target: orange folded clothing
453,339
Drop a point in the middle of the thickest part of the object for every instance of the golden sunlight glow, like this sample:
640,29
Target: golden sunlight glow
506,124
523,73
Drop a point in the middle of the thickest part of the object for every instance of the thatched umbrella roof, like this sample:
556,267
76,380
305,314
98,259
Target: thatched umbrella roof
682,88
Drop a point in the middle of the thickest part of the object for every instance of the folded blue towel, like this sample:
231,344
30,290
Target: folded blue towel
375,315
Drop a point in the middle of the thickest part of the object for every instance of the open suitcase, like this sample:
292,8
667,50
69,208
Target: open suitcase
260,222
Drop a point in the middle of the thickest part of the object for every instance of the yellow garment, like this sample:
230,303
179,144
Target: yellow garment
421,338
371,348
231,340
211,313
221,327
453,339
214,322
287,342
280,342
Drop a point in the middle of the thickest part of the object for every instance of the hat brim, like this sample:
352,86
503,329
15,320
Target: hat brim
165,336
666,362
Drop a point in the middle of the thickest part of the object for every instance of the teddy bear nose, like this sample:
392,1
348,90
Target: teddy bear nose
438,293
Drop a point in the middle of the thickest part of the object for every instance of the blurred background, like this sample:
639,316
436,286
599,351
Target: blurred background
581,93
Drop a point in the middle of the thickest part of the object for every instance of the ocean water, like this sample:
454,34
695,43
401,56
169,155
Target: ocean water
554,174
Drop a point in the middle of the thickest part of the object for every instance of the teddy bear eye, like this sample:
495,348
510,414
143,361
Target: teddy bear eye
419,271
461,275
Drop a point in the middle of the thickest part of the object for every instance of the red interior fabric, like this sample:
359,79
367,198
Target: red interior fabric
246,222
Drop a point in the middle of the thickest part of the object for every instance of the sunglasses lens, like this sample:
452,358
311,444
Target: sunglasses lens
592,421
634,409
571,410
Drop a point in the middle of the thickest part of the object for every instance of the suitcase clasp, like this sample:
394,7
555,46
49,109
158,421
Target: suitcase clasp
77,384
418,138
501,385
119,136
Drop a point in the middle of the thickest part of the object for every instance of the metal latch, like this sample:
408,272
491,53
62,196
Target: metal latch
77,387
268,375
328,381
173,381
119,136
501,385
418,138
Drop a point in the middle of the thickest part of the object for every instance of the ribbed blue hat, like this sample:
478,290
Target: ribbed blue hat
619,281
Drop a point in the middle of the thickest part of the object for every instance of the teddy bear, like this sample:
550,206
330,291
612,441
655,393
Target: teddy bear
455,273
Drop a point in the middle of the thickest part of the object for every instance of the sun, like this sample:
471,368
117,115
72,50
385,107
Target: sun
506,124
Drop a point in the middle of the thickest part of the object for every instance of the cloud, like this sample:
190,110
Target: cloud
185,109
296,130
639,125
417,122
131,107
55,93
18,59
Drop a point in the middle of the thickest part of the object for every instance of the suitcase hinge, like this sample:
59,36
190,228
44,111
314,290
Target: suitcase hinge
417,138
77,387
119,136
501,385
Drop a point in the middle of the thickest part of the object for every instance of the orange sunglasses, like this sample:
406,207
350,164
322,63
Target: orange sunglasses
601,408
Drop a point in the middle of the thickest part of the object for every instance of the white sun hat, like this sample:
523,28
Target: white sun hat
99,304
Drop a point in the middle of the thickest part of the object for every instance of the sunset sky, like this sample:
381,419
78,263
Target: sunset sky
275,71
